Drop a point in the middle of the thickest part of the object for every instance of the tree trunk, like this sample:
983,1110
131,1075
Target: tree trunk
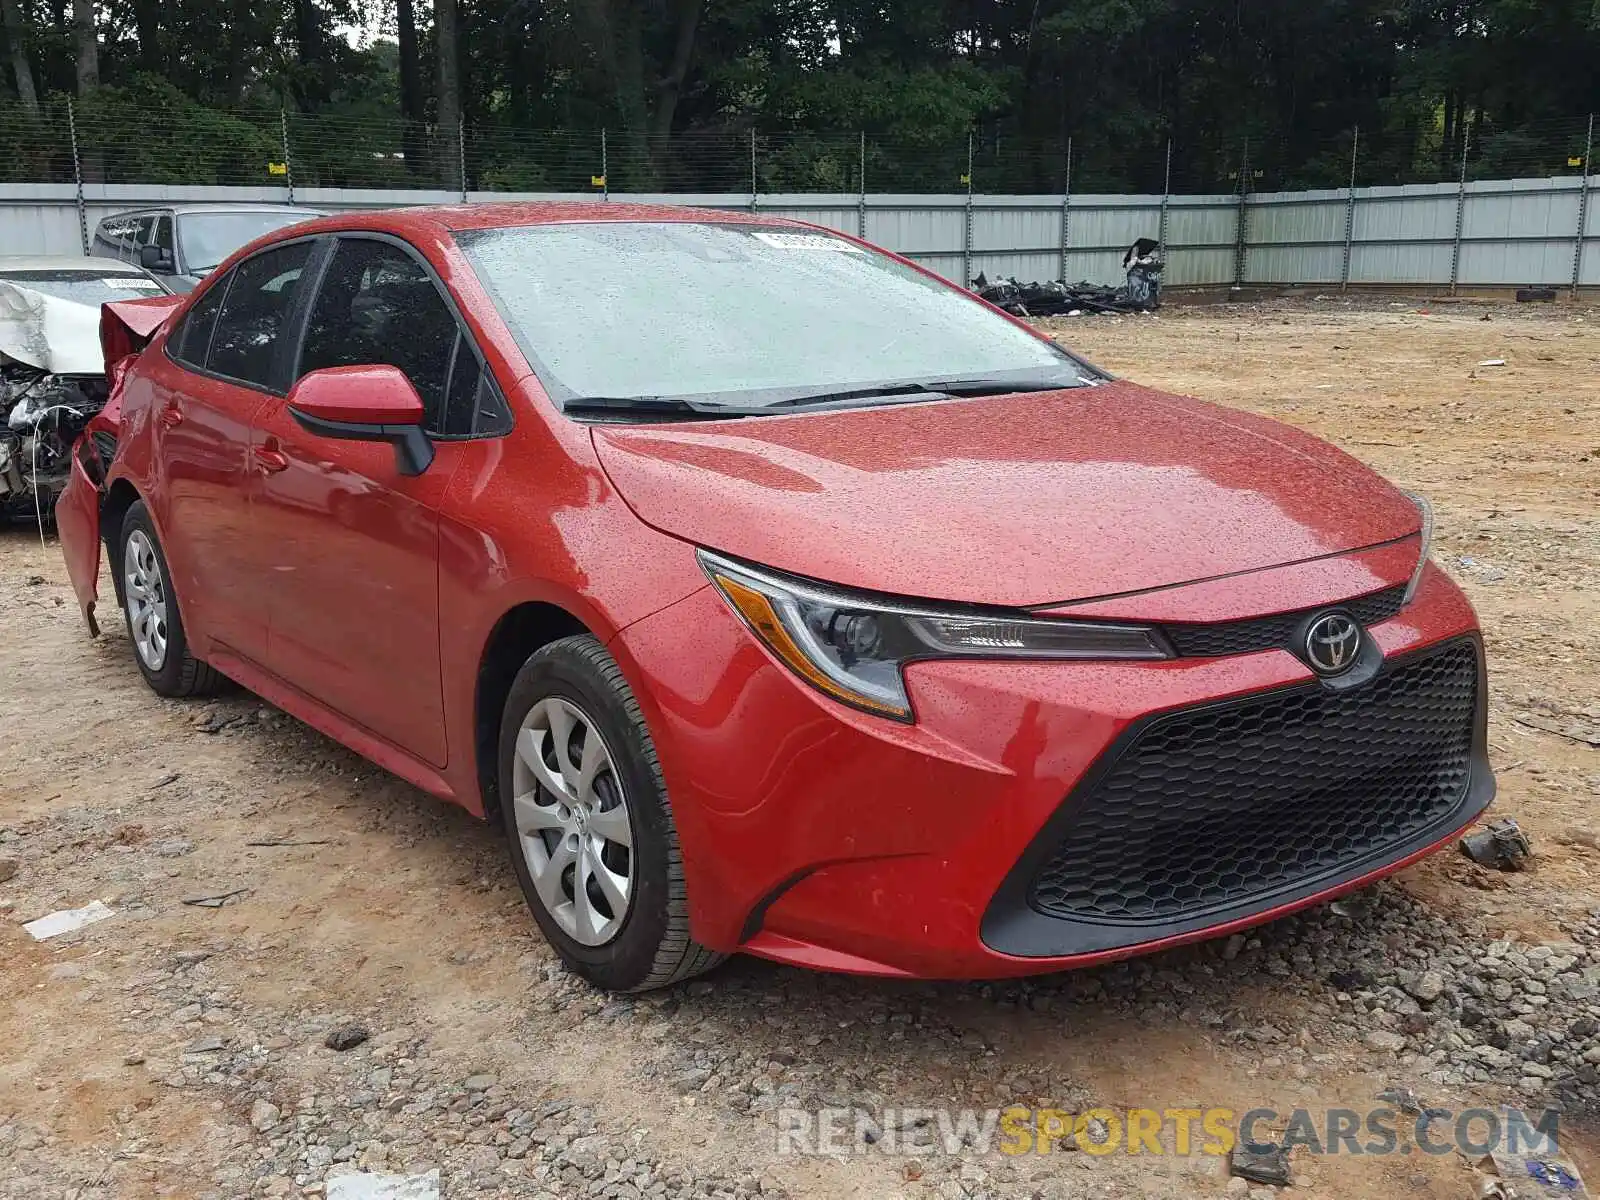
91,161
147,24
88,48
17,42
313,80
411,115
446,33
682,54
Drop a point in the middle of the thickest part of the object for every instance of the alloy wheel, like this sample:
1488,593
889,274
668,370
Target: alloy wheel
147,600
572,821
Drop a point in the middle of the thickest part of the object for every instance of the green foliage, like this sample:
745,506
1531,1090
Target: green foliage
127,133
192,93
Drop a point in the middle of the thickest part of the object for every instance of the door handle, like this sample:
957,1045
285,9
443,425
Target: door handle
270,460
171,415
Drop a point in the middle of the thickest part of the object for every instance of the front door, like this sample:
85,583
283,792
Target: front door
353,544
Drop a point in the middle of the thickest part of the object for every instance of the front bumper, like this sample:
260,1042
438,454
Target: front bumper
818,835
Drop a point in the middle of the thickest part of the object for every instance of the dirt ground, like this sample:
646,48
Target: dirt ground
178,1051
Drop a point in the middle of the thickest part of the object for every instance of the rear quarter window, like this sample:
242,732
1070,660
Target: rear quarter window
191,340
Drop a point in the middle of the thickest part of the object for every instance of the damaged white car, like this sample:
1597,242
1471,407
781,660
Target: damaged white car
52,368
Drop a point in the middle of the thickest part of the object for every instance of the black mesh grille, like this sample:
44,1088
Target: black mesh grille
1213,806
1271,633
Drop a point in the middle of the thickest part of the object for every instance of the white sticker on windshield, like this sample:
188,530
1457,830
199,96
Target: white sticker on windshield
135,282
807,241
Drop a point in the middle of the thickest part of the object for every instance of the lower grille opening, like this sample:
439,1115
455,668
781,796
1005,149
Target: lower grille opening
1210,807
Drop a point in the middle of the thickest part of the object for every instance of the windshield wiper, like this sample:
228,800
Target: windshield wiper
695,410
685,408
1000,386
652,406
933,389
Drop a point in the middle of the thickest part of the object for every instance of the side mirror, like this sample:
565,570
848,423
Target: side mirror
365,404
154,258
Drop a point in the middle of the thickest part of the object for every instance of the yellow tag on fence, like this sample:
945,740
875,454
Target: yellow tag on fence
597,181
277,168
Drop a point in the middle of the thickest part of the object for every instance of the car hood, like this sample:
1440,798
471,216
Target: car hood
1031,499
49,333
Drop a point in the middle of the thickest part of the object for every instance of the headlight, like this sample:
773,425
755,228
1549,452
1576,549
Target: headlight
1426,511
852,646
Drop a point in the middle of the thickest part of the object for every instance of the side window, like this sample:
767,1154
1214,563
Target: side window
142,233
192,339
114,236
163,233
378,305
262,292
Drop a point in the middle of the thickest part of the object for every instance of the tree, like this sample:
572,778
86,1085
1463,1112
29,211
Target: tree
446,27
88,47
671,85
16,32
681,86
411,110
147,22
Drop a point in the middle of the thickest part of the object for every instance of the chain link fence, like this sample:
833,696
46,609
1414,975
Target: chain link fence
1248,211
103,139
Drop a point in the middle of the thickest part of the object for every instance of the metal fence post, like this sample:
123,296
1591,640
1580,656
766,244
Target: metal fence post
1166,199
461,153
1350,212
1242,224
1583,210
288,166
966,238
754,186
1461,210
77,177
861,198
605,171
1066,212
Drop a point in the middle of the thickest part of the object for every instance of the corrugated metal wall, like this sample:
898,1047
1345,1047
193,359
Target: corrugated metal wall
1509,233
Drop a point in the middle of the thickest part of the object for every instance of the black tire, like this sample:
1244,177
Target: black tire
653,948
180,672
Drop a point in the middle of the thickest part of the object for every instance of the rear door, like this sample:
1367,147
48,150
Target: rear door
225,362
355,544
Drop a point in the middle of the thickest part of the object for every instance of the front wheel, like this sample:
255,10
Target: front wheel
155,626
591,833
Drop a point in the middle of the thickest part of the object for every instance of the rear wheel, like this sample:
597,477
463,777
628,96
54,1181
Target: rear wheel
155,626
590,830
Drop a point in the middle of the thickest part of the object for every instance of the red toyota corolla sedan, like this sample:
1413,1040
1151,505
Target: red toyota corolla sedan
776,595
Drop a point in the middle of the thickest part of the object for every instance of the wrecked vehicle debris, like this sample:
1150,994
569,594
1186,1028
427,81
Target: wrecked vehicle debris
52,371
1502,845
1260,1162
1140,291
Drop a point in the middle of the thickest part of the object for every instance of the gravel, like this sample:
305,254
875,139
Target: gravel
1432,1003
200,1068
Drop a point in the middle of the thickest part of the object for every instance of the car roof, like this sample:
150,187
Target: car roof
455,218
68,262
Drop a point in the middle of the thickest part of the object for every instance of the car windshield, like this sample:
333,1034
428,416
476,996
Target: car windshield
86,287
744,315
208,238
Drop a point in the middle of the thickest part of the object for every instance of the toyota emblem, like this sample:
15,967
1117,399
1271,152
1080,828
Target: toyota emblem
1333,643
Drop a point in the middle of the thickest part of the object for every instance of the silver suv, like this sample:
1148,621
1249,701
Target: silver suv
181,244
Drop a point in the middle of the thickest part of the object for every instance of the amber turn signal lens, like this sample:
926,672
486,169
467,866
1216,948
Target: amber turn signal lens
764,622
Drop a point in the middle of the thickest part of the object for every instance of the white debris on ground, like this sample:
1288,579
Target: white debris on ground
367,1186
67,920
